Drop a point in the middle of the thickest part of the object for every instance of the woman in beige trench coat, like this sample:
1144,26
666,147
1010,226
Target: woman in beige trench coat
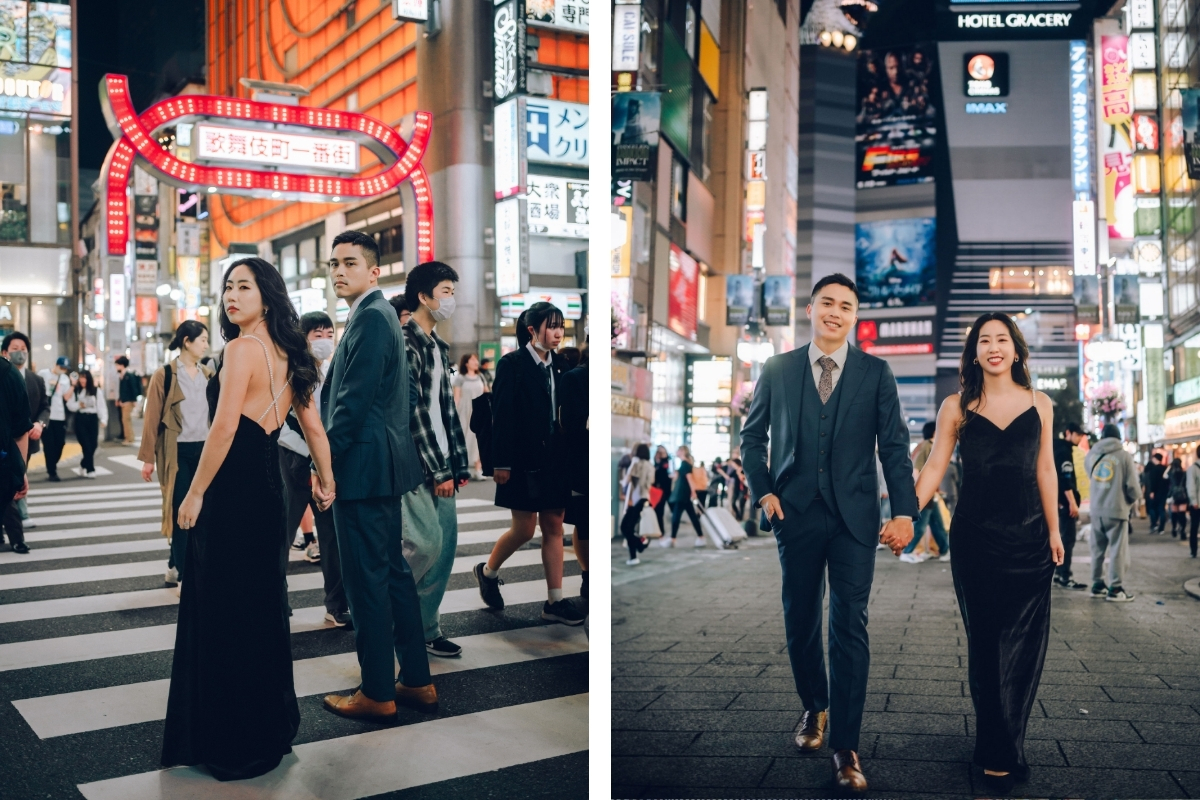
175,427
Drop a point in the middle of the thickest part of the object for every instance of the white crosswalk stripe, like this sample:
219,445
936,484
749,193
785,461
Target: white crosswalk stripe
91,642
129,704
149,598
433,751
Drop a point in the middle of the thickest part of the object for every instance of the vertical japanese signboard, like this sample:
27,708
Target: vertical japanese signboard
508,40
1081,128
1116,110
683,292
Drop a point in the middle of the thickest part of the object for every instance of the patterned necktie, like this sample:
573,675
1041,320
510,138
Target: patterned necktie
825,385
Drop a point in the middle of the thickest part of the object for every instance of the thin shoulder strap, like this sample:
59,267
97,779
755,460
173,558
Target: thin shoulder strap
271,375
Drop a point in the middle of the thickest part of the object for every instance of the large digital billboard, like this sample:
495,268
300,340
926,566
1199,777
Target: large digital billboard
896,123
895,262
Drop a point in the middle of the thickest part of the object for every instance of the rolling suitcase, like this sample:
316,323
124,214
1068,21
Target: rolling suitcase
715,529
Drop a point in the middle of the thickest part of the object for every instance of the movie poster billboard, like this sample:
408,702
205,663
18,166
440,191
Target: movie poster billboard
895,262
896,122
1087,300
635,117
777,299
739,299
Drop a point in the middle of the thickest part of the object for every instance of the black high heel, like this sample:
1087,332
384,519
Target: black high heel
999,784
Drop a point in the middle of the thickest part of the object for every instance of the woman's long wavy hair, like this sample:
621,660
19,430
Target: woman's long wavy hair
283,325
970,373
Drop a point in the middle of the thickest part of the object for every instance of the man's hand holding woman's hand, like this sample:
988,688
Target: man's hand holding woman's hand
324,493
896,534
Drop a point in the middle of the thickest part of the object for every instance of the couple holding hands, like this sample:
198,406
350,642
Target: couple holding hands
818,416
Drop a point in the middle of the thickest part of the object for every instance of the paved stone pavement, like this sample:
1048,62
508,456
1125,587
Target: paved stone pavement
704,704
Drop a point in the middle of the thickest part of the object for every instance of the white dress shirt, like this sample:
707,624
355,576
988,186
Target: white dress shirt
838,356
354,306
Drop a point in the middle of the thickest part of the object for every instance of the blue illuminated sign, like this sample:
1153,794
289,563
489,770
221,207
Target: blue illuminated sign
1081,123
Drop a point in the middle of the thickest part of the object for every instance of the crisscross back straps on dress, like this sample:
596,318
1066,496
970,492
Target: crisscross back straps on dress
271,375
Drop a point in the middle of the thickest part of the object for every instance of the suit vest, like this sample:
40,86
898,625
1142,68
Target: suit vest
814,445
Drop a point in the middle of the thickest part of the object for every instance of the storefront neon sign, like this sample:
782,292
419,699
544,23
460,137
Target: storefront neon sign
134,135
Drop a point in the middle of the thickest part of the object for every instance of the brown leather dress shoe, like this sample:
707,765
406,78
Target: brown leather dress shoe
359,706
420,698
847,772
811,735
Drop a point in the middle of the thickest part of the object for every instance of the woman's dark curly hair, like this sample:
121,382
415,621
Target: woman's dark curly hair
283,325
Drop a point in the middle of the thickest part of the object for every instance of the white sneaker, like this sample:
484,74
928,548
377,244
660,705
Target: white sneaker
29,524
945,557
699,542
633,562
91,474
911,558
172,576
298,542
313,553
666,541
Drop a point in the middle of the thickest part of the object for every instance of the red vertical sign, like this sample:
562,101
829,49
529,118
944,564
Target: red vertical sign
683,293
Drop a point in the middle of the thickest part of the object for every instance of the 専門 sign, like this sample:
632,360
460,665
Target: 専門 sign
985,74
222,143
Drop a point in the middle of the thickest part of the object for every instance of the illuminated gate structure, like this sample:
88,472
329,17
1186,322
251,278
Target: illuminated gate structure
262,134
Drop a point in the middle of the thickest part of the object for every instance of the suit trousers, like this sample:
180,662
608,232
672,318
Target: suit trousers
54,437
811,539
430,541
382,595
297,495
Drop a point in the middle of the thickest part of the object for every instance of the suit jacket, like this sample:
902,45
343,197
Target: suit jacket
39,404
573,416
524,425
868,413
365,407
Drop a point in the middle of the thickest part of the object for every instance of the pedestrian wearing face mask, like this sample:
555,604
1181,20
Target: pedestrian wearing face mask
430,514
174,430
527,451
295,464
58,390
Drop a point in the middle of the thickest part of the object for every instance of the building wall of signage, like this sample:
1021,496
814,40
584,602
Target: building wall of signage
1011,171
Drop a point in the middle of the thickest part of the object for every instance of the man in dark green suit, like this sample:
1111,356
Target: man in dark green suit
365,408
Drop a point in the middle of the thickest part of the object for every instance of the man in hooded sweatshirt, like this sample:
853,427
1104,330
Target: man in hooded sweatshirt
1114,491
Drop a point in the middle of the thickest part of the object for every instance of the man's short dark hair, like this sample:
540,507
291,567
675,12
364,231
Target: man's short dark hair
1157,457
315,321
123,361
929,429
423,279
1073,427
18,337
1111,431
840,280
367,243
400,303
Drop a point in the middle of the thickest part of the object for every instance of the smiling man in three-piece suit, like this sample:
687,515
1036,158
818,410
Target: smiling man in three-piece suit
822,410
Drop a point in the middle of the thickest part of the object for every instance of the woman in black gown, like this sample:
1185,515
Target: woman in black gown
232,705
1004,535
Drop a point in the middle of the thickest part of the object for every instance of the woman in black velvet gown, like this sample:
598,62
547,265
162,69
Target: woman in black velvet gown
232,705
1004,535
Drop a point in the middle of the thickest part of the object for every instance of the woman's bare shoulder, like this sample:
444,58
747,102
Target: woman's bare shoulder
952,406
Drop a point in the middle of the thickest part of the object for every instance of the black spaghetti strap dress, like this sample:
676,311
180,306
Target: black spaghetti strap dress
232,705
1002,570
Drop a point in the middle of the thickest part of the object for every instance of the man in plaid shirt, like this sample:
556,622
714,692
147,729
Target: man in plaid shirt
430,516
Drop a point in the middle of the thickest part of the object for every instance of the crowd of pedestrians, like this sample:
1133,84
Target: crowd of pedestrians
362,442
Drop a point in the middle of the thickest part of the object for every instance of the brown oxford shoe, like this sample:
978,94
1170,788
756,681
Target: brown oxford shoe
811,735
847,772
359,706
420,698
